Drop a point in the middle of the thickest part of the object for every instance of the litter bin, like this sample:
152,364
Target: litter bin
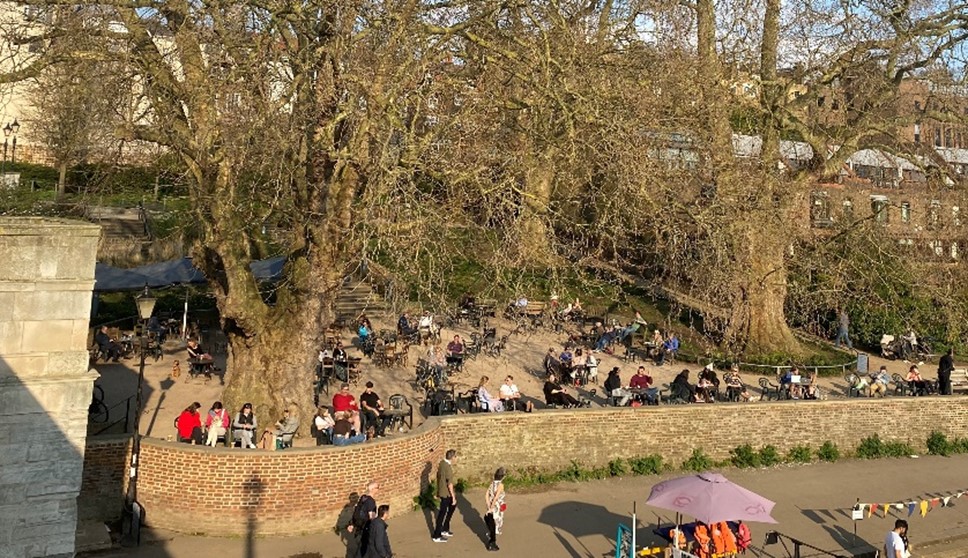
861,363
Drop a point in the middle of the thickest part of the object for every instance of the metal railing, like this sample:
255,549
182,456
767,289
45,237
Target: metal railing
125,420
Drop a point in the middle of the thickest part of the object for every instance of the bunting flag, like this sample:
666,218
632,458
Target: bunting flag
922,505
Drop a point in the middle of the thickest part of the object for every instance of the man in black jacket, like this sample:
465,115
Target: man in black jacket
945,367
378,543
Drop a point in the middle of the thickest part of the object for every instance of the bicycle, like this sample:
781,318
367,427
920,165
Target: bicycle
97,412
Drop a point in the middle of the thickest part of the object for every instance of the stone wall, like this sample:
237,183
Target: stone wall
304,490
45,385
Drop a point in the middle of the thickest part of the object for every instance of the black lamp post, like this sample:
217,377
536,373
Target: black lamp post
7,130
131,529
15,127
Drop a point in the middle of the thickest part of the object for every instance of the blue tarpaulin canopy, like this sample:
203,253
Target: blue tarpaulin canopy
174,272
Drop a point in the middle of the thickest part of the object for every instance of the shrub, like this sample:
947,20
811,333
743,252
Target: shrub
460,485
897,449
870,447
427,499
769,456
828,452
799,454
744,456
648,465
938,444
698,462
618,468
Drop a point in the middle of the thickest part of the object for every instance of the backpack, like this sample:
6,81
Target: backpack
360,515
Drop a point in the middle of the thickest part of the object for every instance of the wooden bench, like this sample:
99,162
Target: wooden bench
959,380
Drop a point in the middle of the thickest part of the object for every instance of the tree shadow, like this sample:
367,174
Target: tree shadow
252,489
581,519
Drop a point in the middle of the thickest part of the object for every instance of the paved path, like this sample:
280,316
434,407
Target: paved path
579,520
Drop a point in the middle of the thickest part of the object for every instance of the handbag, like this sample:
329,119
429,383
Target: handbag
504,507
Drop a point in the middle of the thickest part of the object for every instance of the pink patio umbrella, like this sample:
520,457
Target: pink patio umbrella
710,498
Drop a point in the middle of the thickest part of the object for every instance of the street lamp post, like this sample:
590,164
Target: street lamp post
131,530
10,129
15,127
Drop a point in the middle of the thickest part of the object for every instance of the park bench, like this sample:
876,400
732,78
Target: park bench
959,380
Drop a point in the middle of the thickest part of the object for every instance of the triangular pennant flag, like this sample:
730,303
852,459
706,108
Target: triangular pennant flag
945,500
924,508
935,502
885,509
959,495
911,506
871,510
899,507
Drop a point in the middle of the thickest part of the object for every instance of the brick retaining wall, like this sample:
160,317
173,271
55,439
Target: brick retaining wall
307,490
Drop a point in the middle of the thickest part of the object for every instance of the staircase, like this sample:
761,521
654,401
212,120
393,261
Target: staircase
119,223
357,297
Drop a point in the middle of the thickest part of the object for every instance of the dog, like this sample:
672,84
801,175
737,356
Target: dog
175,370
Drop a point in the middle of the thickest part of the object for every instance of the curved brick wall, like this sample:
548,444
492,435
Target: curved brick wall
303,490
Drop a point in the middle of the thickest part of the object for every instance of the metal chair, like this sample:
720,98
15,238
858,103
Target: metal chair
769,390
402,411
854,389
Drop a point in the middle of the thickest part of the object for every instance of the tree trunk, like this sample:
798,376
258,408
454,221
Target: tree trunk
534,242
758,323
62,179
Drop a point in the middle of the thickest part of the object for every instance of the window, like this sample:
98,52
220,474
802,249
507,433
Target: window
936,247
835,104
879,206
947,137
848,210
956,216
934,214
937,137
917,133
906,212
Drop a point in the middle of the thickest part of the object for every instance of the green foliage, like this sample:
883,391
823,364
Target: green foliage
744,456
648,465
460,486
828,451
939,444
873,447
769,456
698,462
427,499
800,454
618,468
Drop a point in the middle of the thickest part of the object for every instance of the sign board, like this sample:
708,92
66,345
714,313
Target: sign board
9,180
623,542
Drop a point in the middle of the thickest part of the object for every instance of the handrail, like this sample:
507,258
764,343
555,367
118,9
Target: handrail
127,416
817,368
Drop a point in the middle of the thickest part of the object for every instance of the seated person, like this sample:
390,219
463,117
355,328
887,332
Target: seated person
879,381
436,360
521,303
550,362
641,384
284,428
216,423
860,384
340,362
109,348
613,387
632,328
564,361
680,387
455,352
735,387
671,346
372,409
811,390
578,362
196,352
189,425
344,433
485,399
511,397
426,323
556,395
404,327
323,424
787,383
154,327
916,384
344,402
709,375
606,339
704,391
244,426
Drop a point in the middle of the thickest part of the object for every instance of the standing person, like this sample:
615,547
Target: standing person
894,543
945,366
448,499
364,513
843,325
494,506
378,541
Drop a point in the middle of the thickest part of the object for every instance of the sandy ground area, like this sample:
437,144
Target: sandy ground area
579,520
165,398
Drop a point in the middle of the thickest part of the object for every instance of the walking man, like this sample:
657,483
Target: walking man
894,543
378,542
448,499
842,329
945,366
363,514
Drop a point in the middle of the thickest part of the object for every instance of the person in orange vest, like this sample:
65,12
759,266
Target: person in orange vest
702,540
744,538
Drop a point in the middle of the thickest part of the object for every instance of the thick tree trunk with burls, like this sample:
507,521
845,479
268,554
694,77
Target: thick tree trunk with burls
758,325
534,235
62,179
